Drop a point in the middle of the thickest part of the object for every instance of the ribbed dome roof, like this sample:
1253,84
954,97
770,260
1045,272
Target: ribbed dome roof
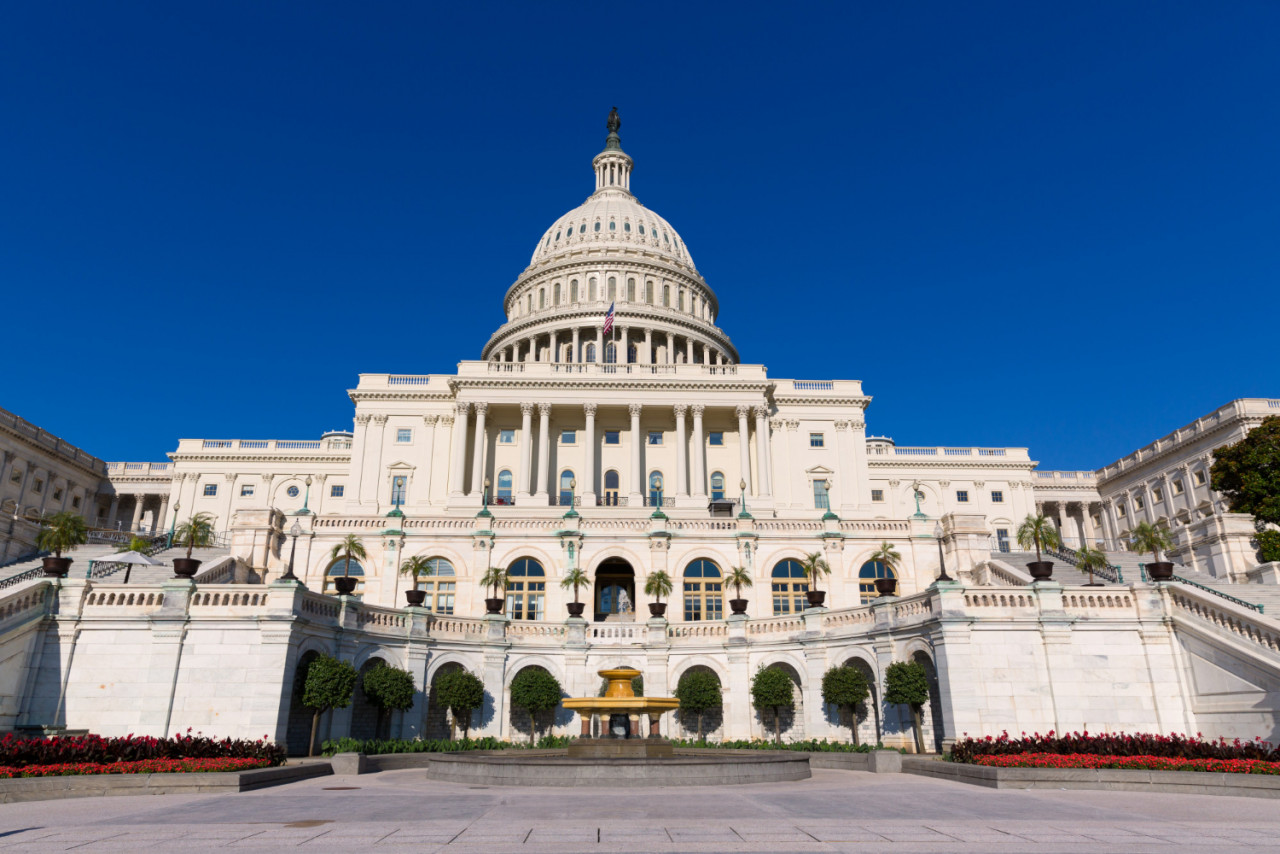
609,219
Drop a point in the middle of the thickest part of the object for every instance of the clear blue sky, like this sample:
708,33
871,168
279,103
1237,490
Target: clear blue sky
1051,225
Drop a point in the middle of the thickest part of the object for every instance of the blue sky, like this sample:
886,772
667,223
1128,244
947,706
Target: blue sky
1050,225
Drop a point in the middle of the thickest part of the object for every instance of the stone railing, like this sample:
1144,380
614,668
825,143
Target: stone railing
1080,601
46,439
139,469
23,605
850,619
617,633
535,629
1229,618
697,631
464,628
116,598
776,626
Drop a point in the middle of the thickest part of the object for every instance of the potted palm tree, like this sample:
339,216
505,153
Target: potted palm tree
349,548
1089,559
815,566
657,585
419,567
59,533
1154,539
888,556
195,532
576,579
495,577
738,577
1036,531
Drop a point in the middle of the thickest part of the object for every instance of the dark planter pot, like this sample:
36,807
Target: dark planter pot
57,567
738,606
576,608
415,597
344,584
816,598
1160,570
657,609
887,586
185,567
494,606
1041,570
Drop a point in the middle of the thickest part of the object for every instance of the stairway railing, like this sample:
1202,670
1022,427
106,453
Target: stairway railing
1142,567
1110,572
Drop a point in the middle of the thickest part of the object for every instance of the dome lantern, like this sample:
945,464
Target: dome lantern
613,166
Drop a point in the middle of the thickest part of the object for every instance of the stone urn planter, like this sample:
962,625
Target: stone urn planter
185,567
1041,570
57,567
887,586
415,597
1158,571
494,606
657,609
576,608
816,598
738,606
344,584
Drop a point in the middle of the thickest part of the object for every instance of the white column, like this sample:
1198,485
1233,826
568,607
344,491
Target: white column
576,355
544,450
764,486
744,450
637,474
553,353
1086,519
115,508
671,349
428,454
688,351
648,346
599,344
525,486
588,481
164,511
477,454
698,477
682,453
137,509
458,461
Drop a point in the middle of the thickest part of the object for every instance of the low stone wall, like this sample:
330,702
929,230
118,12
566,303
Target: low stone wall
100,785
688,768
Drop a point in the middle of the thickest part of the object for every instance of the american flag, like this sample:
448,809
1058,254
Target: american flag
608,320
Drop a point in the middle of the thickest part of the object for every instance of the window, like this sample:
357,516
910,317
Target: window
631,290
1157,495
591,290
1200,478
610,353
38,486
666,290
1120,508
613,289
997,497
555,300
210,489
962,496
871,570
506,437
336,490
339,568
57,493
1138,503
398,484
789,587
526,590
440,586
655,437
292,492
610,489
573,291
877,495
566,488
542,299
655,489
75,503
597,225
821,498
612,437
568,437
1002,540
591,353
16,477
613,226
504,488
703,596
717,486
404,435
816,440
246,490
1177,487
715,437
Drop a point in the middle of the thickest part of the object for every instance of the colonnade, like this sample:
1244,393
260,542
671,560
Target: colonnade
590,344
1074,520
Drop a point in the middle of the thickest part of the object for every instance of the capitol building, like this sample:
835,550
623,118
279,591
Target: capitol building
610,424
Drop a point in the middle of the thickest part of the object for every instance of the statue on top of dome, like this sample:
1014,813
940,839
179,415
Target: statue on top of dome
614,122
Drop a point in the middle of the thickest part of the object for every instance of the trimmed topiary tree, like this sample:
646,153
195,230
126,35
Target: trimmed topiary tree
907,684
536,691
772,688
389,689
461,692
329,684
699,692
845,687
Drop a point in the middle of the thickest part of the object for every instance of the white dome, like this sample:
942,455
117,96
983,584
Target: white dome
612,218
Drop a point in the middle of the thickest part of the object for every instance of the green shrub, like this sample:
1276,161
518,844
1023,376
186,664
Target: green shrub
808,746
699,692
536,691
375,746
1268,545
328,684
906,683
772,689
388,689
461,692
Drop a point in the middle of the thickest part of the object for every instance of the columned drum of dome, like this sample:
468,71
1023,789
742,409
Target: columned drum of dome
611,251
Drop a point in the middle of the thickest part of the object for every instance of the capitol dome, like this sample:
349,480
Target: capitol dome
611,251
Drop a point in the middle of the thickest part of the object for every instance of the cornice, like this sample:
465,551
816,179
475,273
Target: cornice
952,463
571,383
259,458
1161,456
861,401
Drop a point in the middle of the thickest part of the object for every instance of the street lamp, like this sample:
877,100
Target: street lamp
294,531
487,482
306,497
174,526
942,562
742,489
573,491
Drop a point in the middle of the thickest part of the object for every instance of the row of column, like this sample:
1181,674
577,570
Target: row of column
692,352
1060,512
30,472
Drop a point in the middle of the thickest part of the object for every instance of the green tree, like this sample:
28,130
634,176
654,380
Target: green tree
389,689
1090,560
772,689
496,578
1151,539
196,532
845,688
1268,546
907,684
1248,472
536,691
576,579
461,692
699,692
329,684
135,544
657,585
815,566
737,577
62,532
1038,531
418,567
349,548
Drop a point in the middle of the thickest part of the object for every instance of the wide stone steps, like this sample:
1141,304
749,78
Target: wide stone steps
102,552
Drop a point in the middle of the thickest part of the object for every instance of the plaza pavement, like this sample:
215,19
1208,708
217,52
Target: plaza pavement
835,811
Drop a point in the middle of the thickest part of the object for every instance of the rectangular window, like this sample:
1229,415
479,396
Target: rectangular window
821,500
75,502
568,437
1200,478
997,497
57,494
816,440
1157,495
715,437
246,490
336,490
210,490
1002,540
1138,503
877,495
398,489
38,486
655,437
962,496
404,435
612,437
506,437
1178,487
1120,509
16,477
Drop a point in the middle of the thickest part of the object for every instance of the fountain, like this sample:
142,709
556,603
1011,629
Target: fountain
620,709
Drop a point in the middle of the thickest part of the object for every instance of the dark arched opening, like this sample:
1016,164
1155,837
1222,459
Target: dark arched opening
613,578
365,717
932,718
437,724
298,729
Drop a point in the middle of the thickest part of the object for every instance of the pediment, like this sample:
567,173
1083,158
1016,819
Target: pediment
819,470
401,465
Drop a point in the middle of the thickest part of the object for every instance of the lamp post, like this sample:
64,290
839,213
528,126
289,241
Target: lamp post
173,526
306,496
294,531
942,561
487,482
742,491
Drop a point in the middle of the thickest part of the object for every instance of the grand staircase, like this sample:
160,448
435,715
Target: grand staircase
104,572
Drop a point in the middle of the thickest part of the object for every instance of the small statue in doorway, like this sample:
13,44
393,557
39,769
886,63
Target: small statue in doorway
624,603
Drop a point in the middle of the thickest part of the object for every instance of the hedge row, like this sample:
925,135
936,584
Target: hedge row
1174,746
810,746
376,746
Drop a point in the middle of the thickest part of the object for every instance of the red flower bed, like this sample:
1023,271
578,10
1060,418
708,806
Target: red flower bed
1174,746
73,750
1142,763
144,766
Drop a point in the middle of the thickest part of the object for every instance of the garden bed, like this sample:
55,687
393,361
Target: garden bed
143,766
1128,763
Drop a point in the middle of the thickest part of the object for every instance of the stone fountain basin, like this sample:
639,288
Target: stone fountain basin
621,705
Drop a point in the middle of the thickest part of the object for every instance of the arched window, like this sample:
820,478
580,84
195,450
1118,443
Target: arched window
613,289
648,292
626,226
590,353
440,586
632,354
542,298
504,488
335,570
582,229
613,226
610,353
631,290
655,489
591,290
566,488
789,587
526,590
871,570
529,310
717,486
597,225
703,596
680,301
611,488
556,298
573,291
666,296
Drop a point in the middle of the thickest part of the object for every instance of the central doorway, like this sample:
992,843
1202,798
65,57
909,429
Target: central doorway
614,577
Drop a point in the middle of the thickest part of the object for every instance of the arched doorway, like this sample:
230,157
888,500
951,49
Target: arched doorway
298,730
791,720
365,716
712,718
437,724
932,718
613,578
868,711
